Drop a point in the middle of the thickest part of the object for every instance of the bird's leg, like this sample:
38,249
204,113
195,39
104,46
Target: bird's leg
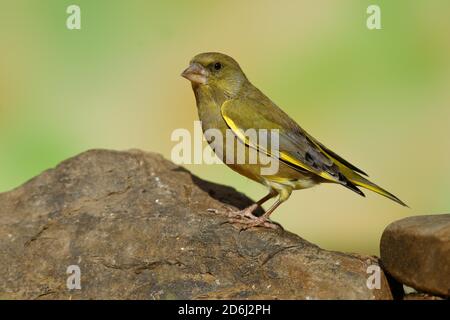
266,198
248,212
267,214
264,220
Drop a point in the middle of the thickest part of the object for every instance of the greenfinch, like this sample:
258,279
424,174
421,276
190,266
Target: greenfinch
226,100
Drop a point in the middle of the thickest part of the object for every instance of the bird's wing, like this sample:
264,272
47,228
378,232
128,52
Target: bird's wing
335,156
296,148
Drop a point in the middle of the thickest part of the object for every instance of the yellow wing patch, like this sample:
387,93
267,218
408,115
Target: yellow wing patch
282,155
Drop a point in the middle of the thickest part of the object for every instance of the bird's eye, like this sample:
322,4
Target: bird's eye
217,66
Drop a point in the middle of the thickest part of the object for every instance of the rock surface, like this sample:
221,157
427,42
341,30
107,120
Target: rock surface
420,296
140,227
416,252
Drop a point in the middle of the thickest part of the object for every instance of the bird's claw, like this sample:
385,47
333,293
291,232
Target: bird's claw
249,220
259,222
247,213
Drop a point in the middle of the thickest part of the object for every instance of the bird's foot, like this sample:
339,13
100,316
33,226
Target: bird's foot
258,222
246,213
249,220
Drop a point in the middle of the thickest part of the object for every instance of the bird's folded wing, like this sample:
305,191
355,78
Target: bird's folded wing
295,146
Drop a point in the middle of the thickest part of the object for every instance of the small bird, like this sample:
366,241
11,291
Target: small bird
226,100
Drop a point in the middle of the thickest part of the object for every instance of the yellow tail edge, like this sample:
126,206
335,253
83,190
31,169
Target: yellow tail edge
364,183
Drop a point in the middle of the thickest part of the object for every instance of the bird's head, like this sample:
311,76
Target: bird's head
216,70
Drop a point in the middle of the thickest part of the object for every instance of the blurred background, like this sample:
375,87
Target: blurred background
379,98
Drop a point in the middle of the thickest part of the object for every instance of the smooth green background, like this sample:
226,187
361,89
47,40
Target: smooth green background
380,98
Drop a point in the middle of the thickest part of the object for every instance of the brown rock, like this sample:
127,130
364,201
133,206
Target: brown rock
139,227
416,252
420,296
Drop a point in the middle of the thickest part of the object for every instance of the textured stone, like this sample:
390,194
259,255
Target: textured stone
416,252
421,296
140,227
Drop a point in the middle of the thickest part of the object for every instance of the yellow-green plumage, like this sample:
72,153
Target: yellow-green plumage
227,100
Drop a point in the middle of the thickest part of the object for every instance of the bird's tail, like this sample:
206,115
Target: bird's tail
360,181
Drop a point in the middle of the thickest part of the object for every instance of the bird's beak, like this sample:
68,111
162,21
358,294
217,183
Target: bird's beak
196,73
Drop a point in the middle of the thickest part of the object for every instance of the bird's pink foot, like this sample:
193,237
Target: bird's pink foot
246,213
249,220
258,222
